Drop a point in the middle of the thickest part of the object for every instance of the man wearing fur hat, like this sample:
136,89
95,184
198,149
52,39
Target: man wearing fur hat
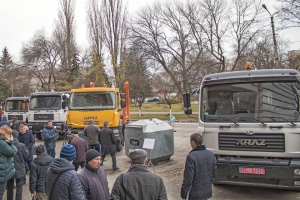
62,181
138,182
38,170
93,177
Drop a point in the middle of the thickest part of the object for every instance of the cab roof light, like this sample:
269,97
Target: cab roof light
92,84
248,66
82,86
104,85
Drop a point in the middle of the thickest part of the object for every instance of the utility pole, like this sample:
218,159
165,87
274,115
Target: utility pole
274,36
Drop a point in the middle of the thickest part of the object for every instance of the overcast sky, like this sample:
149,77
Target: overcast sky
20,19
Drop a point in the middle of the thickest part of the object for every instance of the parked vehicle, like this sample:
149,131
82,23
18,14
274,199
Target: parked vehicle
17,107
250,121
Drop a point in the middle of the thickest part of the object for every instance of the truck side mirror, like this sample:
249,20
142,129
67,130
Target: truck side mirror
187,103
63,105
123,103
122,95
64,97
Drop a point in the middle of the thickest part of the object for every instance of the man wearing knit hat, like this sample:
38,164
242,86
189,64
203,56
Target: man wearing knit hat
138,182
38,170
62,181
93,177
81,148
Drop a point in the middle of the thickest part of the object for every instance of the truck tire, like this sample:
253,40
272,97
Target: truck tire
119,146
38,136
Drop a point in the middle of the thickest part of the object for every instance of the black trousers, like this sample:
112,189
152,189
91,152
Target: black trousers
10,189
113,157
77,164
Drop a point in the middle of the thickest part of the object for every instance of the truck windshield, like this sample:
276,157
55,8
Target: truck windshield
92,101
251,102
45,103
16,106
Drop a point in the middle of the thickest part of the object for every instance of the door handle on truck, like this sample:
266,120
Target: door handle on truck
224,126
276,126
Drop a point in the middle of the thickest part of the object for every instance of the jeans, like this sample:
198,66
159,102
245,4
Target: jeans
96,147
77,164
2,189
51,153
113,157
10,189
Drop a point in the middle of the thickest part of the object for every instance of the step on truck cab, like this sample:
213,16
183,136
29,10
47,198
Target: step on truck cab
17,107
100,104
250,121
47,106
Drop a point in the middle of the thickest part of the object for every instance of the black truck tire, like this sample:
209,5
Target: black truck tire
38,136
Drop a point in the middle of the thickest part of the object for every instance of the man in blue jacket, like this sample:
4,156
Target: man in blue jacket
200,169
50,135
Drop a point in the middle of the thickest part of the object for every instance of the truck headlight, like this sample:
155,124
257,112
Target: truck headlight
30,127
296,182
115,130
297,171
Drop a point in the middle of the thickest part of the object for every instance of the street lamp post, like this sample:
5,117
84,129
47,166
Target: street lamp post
274,36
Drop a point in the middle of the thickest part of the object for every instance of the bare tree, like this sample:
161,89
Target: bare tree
41,57
64,33
290,14
113,21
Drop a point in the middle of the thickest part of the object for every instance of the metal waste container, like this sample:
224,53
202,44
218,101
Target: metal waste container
161,131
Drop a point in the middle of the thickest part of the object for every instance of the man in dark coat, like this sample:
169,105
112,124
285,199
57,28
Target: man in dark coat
26,137
138,182
107,140
50,135
68,185
91,132
38,170
20,162
81,149
15,124
93,177
200,169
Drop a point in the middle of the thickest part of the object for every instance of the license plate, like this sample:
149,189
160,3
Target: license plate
246,170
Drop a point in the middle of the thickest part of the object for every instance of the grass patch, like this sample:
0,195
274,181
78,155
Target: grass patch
179,117
154,107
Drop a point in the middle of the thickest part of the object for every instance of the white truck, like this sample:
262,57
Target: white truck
250,121
17,107
45,106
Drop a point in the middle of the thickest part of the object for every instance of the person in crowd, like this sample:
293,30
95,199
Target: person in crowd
1,113
26,137
107,140
138,182
81,148
93,177
50,135
20,165
8,150
4,121
62,181
15,124
38,170
200,168
91,131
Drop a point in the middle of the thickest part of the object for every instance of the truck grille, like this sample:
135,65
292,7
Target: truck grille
266,142
43,117
19,117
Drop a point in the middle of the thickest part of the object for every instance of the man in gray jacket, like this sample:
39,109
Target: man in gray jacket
91,131
200,168
138,182
93,177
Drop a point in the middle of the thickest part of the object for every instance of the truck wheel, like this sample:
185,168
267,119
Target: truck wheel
38,136
119,146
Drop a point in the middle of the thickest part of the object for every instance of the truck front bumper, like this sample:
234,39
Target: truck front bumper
283,177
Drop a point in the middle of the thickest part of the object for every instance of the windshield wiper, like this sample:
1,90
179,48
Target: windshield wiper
291,122
216,117
243,119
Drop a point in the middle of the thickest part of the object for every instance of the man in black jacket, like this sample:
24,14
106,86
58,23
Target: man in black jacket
200,169
38,170
20,161
108,145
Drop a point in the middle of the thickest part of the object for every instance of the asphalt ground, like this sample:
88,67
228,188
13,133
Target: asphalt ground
172,173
